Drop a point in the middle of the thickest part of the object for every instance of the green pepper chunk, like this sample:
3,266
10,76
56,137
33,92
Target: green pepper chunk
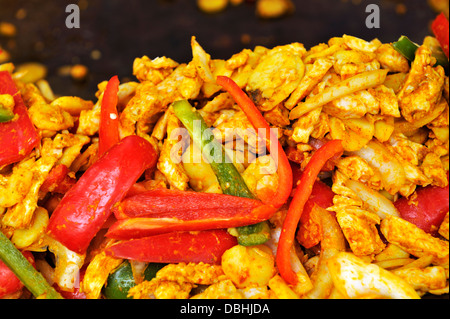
408,49
252,235
228,176
21,267
121,280
5,114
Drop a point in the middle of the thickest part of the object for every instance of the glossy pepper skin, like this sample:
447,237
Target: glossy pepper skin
427,209
109,117
160,211
18,136
205,246
302,194
87,205
440,27
273,145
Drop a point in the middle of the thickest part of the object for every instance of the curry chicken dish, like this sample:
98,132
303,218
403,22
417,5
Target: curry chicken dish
284,172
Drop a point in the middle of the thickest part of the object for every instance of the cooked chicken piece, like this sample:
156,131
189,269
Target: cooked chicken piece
182,83
169,161
154,70
434,169
391,59
414,240
245,64
387,100
276,75
278,116
423,279
355,278
305,125
222,290
195,273
97,273
21,214
356,168
423,87
238,126
313,76
360,44
15,186
443,229
359,227
160,289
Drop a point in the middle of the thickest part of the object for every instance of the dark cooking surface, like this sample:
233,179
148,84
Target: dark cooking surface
124,29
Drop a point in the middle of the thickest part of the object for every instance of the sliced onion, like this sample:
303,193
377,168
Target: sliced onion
376,201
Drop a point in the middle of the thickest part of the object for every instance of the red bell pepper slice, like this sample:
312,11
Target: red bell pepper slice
18,137
87,205
440,29
309,232
184,205
301,196
254,115
161,211
9,283
205,246
428,208
108,134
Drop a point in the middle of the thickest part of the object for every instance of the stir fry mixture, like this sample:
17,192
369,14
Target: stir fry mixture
280,172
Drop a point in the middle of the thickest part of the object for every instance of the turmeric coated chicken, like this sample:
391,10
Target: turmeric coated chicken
125,197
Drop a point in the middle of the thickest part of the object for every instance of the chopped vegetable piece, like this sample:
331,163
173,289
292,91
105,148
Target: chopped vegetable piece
122,279
176,247
229,178
253,235
162,211
301,196
426,209
87,205
408,49
17,137
109,118
22,268
440,29
5,115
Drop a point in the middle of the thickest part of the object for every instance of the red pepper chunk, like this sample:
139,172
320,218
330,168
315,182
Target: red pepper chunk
18,137
9,283
309,232
205,246
109,117
440,29
254,116
162,210
428,208
301,196
87,205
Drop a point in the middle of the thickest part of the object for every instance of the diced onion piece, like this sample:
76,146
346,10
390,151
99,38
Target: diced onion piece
376,201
